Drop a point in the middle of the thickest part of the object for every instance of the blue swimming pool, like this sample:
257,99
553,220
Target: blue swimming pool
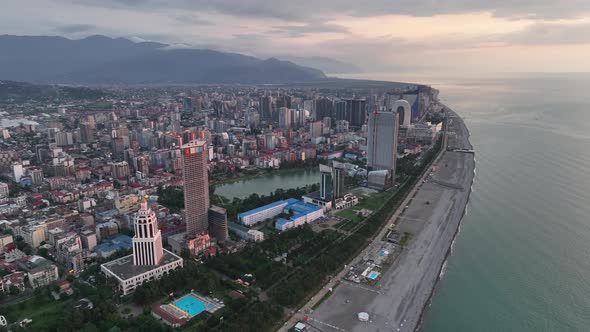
192,305
373,275
381,253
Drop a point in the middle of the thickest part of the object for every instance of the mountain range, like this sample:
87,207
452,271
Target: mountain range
326,65
105,60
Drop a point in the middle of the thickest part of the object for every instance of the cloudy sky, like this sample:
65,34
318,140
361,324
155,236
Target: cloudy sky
377,35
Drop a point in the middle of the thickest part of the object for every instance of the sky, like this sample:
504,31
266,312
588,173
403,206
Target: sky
468,36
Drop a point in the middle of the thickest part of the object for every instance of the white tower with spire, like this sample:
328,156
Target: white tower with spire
147,242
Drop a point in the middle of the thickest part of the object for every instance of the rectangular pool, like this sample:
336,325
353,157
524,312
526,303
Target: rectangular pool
190,304
373,275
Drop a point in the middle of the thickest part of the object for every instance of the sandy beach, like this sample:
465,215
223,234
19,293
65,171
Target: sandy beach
432,214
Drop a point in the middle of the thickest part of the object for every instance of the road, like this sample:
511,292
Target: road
322,324
406,286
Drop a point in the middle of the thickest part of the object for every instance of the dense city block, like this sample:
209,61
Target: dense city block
119,207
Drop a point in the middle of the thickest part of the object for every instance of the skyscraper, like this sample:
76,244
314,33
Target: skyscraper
283,101
326,185
356,112
196,187
86,133
147,242
340,110
218,223
285,119
324,107
403,108
382,141
148,261
338,173
266,108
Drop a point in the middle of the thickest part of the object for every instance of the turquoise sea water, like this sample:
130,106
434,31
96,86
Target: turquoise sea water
521,261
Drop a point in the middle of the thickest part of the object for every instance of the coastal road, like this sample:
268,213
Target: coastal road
339,311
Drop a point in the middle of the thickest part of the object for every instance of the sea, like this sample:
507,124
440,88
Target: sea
521,261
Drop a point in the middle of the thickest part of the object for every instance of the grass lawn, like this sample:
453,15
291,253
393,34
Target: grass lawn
374,201
371,202
348,214
40,309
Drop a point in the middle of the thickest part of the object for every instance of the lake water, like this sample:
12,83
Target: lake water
266,184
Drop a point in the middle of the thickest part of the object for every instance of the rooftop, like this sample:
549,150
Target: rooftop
316,195
124,269
302,208
115,242
262,208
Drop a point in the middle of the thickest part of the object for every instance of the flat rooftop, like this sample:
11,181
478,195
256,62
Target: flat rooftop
262,208
124,269
316,195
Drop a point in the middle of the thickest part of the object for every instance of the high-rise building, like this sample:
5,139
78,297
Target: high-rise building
269,141
309,105
218,223
36,175
382,142
356,112
64,138
147,242
149,261
326,185
338,173
302,117
118,148
315,129
120,170
285,119
323,108
283,101
340,110
17,171
196,187
266,108
404,111
86,133
326,125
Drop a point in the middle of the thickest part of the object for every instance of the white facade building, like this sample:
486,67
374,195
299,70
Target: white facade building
148,261
262,213
147,242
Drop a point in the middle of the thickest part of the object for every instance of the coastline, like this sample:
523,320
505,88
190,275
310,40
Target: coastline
399,300
450,250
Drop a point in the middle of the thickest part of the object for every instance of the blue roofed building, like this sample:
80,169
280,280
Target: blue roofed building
262,213
111,244
301,213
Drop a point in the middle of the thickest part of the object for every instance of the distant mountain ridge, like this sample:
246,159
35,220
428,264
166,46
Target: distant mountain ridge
104,60
327,65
